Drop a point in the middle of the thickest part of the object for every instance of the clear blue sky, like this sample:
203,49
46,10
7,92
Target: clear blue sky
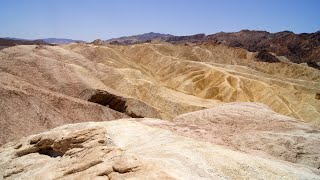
92,19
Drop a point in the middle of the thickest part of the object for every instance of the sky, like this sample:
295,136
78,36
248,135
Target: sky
105,19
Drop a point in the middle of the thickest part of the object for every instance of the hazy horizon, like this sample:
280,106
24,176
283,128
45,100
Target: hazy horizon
89,20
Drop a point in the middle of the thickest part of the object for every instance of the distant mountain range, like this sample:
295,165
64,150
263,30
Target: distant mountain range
298,48
140,38
8,41
60,41
5,42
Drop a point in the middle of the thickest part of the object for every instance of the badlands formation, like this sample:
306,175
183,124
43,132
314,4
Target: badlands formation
156,111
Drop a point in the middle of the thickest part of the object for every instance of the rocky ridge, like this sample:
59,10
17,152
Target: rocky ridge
156,111
124,149
272,47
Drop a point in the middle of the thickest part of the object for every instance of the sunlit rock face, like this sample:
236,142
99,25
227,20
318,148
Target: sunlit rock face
156,111
127,149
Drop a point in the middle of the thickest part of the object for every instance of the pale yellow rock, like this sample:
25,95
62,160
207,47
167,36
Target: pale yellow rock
172,79
202,76
26,109
125,149
209,110
253,128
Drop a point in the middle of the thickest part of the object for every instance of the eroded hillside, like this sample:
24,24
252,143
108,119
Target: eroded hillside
171,79
202,76
173,108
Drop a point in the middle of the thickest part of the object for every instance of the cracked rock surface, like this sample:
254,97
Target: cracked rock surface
126,149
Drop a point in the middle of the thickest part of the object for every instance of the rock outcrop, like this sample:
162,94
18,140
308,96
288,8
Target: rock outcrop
298,48
27,109
155,80
119,102
157,111
187,39
124,149
252,128
267,57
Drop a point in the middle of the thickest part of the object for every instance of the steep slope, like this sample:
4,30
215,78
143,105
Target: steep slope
174,79
274,47
27,109
41,88
228,75
166,80
205,93
124,149
298,48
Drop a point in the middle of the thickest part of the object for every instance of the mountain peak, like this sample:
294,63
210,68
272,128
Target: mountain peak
141,38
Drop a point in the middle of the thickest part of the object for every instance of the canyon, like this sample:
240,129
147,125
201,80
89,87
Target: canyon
171,107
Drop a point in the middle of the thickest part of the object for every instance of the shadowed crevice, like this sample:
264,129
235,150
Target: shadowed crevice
112,101
50,152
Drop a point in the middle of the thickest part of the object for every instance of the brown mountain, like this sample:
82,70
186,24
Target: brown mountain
14,42
193,38
139,38
271,47
156,111
298,48
195,108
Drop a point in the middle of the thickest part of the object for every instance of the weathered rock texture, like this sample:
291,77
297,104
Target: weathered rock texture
205,133
27,109
285,45
130,150
298,48
44,86
119,102
176,79
252,128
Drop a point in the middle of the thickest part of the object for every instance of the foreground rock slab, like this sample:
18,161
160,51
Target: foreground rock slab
253,128
125,149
